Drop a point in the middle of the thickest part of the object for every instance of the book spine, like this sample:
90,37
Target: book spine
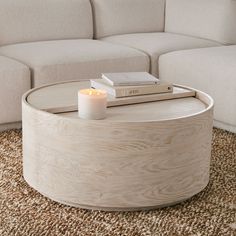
127,92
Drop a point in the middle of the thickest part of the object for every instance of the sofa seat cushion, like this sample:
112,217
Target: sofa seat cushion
63,60
212,70
14,81
156,44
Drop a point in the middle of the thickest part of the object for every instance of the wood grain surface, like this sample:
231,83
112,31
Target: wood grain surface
119,164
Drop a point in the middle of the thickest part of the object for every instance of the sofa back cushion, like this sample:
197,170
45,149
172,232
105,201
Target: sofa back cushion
112,17
210,19
36,20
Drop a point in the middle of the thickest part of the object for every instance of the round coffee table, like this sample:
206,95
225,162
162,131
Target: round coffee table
142,156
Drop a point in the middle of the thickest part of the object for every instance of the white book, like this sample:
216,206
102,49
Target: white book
128,91
130,78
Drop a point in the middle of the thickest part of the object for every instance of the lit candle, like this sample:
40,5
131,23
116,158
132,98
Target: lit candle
92,104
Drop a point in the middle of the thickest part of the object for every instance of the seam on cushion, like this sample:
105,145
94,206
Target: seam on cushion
32,80
93,19
35,68
196,37
98,60
13,70
165,9
93,25
117,34
48,40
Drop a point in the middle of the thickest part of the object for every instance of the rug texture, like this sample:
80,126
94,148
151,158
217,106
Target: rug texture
23,211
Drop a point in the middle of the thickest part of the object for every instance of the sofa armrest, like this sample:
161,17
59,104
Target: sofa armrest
14,81
211,70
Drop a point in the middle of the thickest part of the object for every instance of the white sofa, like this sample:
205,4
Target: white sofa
49,41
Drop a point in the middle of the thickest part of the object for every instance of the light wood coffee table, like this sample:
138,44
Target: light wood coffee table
141,156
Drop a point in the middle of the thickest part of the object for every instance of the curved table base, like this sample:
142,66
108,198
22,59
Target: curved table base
109,209
118,164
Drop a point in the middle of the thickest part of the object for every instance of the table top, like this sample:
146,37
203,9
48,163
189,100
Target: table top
52,98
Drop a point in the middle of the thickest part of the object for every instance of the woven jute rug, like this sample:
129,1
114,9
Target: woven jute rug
23,211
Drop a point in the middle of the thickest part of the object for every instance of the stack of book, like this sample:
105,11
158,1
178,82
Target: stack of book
130,84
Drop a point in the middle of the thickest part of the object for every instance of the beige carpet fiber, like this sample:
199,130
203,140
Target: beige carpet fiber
23,211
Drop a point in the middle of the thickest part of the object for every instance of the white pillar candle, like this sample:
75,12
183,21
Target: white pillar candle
92,104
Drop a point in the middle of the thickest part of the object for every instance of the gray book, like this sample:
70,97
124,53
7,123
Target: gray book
130,78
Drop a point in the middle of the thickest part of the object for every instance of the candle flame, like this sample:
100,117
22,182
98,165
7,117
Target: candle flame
93,92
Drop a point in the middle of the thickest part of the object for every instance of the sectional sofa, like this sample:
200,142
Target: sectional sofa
183,41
